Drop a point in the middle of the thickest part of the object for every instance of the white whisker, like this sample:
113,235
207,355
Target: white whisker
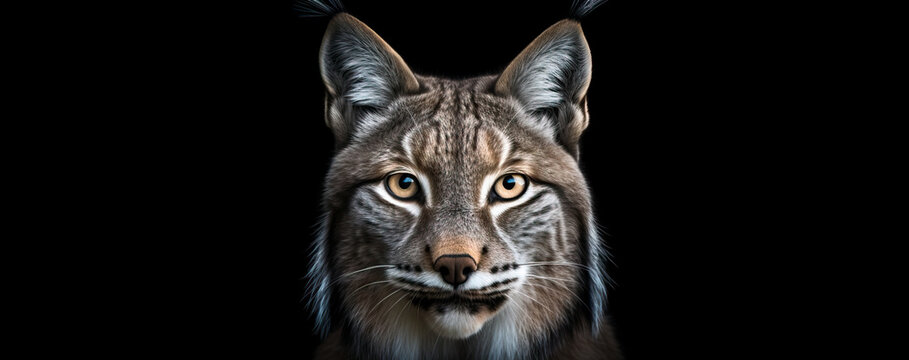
434,346
535,300
403,307
369,268
383,299
361,270
550,263
553,279
566,288
392,307
372,283
522,309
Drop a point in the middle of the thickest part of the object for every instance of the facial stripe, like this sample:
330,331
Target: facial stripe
412,207
533,193
427,278
482,279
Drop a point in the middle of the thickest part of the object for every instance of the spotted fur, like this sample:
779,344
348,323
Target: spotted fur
539,289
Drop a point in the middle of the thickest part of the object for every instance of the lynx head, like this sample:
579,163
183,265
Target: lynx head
455,209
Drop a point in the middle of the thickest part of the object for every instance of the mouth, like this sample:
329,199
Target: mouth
456,312
429,298
459,302
460,314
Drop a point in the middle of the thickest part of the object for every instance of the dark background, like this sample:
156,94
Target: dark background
676,155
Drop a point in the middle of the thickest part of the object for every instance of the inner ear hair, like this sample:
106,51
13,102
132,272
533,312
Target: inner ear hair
550,77
359,66
361,73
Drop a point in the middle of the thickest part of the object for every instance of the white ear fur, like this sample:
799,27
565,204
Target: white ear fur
359,67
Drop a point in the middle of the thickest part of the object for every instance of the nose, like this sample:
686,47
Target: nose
455,268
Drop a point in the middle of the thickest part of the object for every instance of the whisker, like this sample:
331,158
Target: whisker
340,277
372,283
383,299
359,271
422,290
534,300
393,306
434,346
608,278
551,263
553,279
395,303
569,290
364,269
558,281
403,307
522,309
421,294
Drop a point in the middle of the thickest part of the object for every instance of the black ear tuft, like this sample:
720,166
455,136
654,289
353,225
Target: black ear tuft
318,8
580,8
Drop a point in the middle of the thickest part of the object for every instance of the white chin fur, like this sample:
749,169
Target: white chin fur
456,324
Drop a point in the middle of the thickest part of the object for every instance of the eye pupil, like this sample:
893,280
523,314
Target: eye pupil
405,182
509,182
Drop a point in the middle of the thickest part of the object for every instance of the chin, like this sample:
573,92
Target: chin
456,322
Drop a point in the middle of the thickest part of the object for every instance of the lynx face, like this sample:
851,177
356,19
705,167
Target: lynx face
455,209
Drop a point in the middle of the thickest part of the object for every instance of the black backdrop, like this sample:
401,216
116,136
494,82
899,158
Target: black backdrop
671,154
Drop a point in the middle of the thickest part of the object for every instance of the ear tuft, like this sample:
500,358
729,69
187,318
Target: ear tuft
318,8
580,8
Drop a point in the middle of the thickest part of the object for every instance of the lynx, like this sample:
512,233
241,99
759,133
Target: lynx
457,221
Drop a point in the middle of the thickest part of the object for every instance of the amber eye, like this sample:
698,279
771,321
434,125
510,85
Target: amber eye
510,186
402,186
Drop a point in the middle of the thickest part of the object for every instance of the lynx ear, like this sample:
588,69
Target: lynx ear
360,72
550,79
